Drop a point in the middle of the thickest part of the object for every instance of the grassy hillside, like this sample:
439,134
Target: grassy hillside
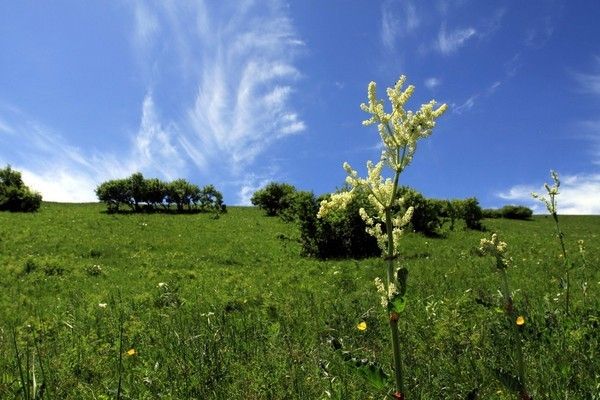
97,306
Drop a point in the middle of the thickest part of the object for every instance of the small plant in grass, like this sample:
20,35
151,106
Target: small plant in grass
94,270
399,131
550,203
168,296
516,384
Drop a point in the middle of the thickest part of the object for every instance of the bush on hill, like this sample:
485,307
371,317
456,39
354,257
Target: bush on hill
274,198
516,212
14,194
141,194
341,234
509,212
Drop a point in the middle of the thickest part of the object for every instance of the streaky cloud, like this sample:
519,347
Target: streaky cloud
578,195
449,42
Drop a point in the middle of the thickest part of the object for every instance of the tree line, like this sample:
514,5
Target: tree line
140,194
343,234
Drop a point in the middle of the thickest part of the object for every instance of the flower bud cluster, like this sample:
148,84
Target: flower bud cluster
399,130
496,248
550,201
386,295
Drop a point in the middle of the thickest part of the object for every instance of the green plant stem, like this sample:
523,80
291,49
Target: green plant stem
397,355
565,263
391,279
511,314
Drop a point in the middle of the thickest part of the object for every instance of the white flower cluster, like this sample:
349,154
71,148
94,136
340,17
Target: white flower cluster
386,295
399,131
496,248
550,202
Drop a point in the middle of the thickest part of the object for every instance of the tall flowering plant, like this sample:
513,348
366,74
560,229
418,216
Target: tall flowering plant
400,131
550,203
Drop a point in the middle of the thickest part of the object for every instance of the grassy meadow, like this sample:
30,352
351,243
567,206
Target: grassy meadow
157,306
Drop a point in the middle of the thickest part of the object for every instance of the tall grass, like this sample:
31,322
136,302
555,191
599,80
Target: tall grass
247,317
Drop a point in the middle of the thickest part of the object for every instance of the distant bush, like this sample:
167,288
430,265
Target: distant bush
452,211
339,235
14,194
114,193
491,213
427,214
141,194
516,212
472,213
274,198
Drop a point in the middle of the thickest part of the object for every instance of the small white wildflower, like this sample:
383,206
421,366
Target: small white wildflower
102,305
162,284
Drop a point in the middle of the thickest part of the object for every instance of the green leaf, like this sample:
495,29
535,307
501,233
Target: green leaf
510,381
401,277
375,375
397,303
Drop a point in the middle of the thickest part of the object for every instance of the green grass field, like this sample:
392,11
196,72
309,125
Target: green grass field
192,307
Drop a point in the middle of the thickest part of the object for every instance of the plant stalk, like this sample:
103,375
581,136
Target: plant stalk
393,315
565,263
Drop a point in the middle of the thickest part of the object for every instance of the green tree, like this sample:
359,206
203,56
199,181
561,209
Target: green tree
274,198
14,194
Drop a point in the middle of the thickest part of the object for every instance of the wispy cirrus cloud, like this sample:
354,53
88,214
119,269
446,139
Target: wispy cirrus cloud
540,32
432,83
245,80
64,172
219,87
578,194
449,42
589,82
398,19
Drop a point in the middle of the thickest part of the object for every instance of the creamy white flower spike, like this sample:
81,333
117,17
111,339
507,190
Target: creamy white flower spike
550,201
399,130
496,248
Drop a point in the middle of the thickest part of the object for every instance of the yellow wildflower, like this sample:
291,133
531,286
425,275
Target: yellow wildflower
362,326
131,352
520,320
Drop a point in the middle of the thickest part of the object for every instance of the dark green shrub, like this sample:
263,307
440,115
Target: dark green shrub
181,193
516,212
452,211
156,192
472,213
114,193
427,215
14,194
491,213
142,194
273,198
210,199
339,235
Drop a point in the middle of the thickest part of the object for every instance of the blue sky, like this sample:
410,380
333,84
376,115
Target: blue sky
240,93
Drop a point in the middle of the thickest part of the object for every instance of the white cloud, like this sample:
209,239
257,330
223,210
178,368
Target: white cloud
146,24
243,101
539,34
398,19
466,106
590,131
65,173
432,83
60,184
449,42
589,82
238,57
153,149
578,194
